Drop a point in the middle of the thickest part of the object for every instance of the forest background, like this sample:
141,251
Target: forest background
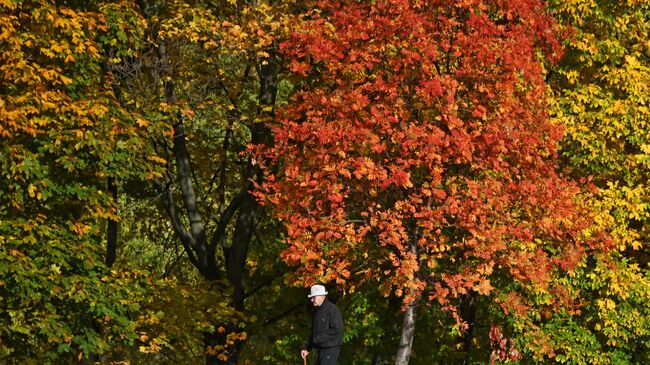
469,179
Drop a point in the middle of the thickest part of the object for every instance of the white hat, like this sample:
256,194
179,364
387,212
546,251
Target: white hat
317,290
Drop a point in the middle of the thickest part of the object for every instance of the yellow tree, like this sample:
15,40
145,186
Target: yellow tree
601,90
602,93
62,136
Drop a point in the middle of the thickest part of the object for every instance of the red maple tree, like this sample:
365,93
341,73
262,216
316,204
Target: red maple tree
418,152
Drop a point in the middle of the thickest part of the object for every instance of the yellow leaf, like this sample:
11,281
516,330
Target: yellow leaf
65,80
158,159
30,190
142,122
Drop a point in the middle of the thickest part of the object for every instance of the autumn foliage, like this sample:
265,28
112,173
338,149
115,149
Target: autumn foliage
62,135
420,154
174,173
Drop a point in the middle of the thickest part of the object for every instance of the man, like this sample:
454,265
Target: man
326,328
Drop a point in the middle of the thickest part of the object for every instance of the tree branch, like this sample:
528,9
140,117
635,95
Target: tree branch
227,216
185,238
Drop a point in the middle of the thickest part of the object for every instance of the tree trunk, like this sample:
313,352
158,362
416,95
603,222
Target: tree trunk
408,324
239,249
375,358
467,307
245,225
204,252
408,333
111,228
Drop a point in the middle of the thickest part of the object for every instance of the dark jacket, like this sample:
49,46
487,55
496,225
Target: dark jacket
326,327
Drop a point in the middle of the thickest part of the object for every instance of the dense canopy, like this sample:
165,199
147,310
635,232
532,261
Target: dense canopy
469,180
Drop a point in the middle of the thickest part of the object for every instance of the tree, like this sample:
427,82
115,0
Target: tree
600,91
600,95
211,74
63,135
418,155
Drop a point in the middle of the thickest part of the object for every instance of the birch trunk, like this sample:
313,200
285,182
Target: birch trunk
408,333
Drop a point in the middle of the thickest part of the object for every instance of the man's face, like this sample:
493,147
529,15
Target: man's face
317,300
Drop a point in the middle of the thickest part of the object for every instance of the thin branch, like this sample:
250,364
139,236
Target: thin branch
283,314
263,284
227,216
222,178
173,264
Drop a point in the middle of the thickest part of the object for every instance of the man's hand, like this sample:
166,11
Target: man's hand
304,354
